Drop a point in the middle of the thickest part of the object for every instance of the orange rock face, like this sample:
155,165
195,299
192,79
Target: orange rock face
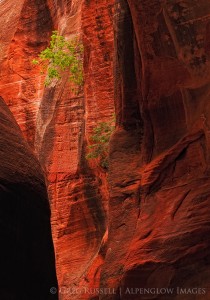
78,192
58,124
27,26
159,169
147,225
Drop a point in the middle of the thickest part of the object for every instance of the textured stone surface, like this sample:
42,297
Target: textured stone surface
159,176
78,191
58,124
153,229
26,254
27,26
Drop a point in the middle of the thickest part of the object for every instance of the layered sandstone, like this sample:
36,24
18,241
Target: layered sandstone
65,121
58,123
159,175
153,229
26,254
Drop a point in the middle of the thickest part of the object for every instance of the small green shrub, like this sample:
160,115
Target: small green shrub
100,138
62,55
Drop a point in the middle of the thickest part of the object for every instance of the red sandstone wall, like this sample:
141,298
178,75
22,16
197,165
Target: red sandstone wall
26,254
64,122
159,162
27,31
58,124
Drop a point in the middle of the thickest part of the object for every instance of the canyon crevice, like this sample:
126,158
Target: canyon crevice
145,222
27,254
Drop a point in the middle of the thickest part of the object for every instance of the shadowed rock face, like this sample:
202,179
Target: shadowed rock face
26,252
159,171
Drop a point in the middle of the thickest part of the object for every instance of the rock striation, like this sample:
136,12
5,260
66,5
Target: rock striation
58,124
147,224
159,169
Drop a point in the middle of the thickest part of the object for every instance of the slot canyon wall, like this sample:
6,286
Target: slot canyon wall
57,124
146,222
26,255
